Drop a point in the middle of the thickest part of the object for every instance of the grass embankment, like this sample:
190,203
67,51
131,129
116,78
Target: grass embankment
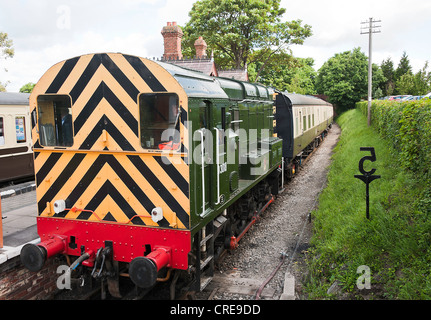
395,243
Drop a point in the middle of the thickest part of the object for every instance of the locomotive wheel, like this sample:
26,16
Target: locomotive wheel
263,192
247,208
227,235
251,208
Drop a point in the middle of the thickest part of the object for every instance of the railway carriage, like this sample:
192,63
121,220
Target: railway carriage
16,155
302,122
144,168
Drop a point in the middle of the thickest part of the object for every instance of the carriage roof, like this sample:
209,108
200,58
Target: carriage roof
14,98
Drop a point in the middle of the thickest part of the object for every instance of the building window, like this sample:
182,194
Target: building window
55,120
1,132
159,121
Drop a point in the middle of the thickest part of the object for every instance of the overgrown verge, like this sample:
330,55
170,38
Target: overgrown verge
395,244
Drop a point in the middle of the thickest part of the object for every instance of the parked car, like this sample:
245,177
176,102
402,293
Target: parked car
400,97
412,98
407,97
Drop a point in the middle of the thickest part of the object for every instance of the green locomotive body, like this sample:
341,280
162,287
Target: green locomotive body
232,123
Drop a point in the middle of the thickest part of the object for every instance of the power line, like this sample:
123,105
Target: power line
370,28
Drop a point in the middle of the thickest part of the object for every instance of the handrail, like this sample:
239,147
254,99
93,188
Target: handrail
74,209
218,164
203,171
140,216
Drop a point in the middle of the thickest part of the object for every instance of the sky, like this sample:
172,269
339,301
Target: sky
45,32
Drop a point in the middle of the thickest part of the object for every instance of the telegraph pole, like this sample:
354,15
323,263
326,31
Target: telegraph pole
370,29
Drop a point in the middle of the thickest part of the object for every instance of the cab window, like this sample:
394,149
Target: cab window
159,121
55,120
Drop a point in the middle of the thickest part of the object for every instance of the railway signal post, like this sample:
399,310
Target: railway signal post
367,176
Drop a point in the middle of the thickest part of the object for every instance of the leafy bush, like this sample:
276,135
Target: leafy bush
408,126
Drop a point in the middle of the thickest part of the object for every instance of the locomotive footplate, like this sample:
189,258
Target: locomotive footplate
101,247
128,241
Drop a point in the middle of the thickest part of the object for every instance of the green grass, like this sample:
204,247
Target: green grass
394,243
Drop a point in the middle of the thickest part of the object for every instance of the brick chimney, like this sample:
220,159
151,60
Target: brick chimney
172,35
201,48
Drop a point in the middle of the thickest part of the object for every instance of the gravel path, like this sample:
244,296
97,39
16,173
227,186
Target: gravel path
278,230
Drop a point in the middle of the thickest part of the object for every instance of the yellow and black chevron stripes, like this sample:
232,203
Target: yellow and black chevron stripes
107,175
104,90
115,187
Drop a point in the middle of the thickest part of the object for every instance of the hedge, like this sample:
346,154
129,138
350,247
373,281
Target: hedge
408,126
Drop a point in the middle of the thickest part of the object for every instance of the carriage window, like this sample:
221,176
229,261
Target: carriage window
1,132
160,121
55,120
20,129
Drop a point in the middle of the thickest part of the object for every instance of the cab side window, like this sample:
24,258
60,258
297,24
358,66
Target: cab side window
55,120
159,121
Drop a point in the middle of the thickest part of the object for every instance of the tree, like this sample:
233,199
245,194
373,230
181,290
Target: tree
27,88
344,78
286,72
378,79
414,84
6,51
278,72
403,68
388,86
405,84
235,29
423,81
304,78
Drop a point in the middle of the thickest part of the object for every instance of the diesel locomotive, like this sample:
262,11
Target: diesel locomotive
148,170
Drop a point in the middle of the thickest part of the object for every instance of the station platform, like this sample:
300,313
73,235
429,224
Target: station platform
19,212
